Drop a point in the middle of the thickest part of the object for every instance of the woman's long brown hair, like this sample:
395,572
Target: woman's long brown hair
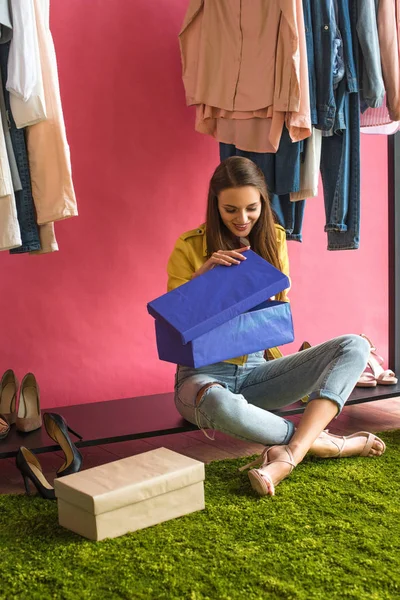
237,172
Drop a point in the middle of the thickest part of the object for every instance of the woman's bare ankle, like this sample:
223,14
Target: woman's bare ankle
298,450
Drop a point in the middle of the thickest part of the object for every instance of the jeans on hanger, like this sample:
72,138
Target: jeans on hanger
290,215
23,198
340,153
282,174
340,172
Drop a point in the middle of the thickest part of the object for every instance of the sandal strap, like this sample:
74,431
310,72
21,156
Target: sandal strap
366,376
370,439
290,462
387,373
368,340
373,348
368,445
340,447
377,356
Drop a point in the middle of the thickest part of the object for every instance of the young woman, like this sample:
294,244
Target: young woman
235,396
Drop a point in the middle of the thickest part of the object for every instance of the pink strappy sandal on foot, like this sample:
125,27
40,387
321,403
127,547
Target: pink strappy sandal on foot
375,374
258,461
260,481
370,438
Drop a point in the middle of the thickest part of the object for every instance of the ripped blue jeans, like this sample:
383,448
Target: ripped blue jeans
240,406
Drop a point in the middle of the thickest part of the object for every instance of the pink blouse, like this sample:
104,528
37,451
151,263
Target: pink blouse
245,68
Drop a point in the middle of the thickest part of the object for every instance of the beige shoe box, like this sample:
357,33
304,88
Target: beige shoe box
130,494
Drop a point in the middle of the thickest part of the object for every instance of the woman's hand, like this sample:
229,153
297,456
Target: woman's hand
222,257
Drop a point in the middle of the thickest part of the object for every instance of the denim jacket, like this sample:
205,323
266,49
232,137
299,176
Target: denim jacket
371,80
345,27
330,55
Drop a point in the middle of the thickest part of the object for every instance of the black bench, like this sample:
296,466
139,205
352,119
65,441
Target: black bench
141,417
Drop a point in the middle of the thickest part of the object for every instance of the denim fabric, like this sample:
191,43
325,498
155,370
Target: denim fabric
345,26
340,164
23,197
308,25
289,214
282,174
372,89
324,31
340,171
281,169
241,405
333,46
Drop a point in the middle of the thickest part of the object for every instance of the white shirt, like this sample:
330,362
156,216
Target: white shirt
25,82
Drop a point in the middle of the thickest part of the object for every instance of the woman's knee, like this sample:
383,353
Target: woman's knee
205,390
191,390
358,347
220,405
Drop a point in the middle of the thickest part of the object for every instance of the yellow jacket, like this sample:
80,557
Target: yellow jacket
190,253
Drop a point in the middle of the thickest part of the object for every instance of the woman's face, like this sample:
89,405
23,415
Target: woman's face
240,209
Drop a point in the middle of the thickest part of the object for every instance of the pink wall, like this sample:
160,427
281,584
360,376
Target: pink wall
78,318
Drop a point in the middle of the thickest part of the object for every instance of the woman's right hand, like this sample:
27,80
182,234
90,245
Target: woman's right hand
222,257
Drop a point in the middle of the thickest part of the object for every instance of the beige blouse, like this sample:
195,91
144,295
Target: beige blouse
244,66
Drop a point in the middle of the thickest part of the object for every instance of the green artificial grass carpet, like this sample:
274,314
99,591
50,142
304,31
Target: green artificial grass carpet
332,531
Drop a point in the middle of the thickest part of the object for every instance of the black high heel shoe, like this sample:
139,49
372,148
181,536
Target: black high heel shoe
30,469
57,429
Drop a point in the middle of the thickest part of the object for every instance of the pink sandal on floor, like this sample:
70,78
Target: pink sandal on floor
261,482
366,380
375,373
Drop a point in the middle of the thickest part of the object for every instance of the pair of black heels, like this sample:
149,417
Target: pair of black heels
29,466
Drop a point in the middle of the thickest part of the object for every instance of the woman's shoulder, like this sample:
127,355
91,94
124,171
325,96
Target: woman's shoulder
193,241
280,232
193,233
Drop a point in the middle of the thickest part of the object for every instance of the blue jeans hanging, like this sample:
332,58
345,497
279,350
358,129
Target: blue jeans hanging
282,174
340,155
340,171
